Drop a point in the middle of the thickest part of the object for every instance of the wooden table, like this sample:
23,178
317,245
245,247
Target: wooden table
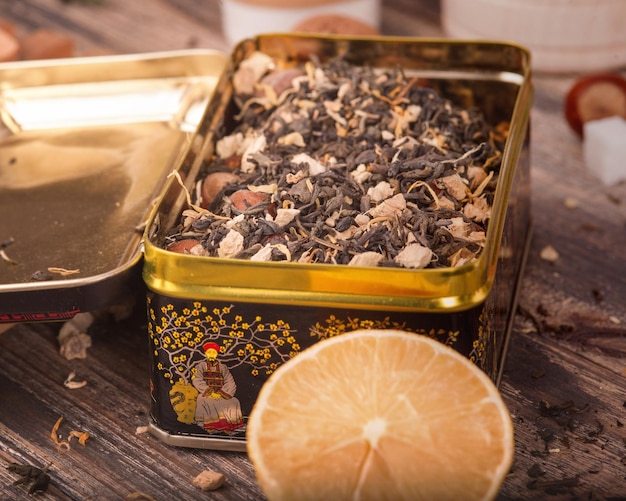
565,377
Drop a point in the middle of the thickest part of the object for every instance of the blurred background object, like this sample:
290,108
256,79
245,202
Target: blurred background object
246,18
563,35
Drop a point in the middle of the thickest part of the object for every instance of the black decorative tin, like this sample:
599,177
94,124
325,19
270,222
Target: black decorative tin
219,327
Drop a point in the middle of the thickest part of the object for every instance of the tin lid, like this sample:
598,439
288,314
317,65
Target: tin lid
85,146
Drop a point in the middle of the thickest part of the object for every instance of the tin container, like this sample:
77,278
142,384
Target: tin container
258,315
85,147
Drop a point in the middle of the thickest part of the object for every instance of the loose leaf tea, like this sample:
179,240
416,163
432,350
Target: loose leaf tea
342,164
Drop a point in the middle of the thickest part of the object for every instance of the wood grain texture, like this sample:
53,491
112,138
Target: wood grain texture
565,376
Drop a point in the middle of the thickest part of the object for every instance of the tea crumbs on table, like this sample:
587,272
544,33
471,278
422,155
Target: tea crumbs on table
342,164
549,253
140,496
3,254
208,480
27,474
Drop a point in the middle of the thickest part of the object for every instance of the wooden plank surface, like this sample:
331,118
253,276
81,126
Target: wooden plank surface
565,377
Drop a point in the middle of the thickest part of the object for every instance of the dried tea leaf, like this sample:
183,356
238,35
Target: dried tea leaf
343,144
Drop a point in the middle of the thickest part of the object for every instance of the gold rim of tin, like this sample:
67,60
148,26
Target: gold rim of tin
446,289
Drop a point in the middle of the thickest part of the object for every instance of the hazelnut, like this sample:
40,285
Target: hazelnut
244,199
213,183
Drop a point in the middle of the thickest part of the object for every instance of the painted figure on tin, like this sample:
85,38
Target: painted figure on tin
217,409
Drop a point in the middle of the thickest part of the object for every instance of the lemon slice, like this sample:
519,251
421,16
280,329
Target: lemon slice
380,415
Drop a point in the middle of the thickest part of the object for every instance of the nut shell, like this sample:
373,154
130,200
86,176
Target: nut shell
593,97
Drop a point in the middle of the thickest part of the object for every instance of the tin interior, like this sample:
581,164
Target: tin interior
492,76
85,147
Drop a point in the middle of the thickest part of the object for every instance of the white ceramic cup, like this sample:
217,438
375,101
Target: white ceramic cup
246,18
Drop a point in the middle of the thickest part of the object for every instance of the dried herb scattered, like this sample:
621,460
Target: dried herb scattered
63,271
209,480
71,383
139,496
554,487
342,164
42,276
64,445
3,254
49,274
27,474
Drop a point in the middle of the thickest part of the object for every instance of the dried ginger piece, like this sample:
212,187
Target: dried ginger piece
209,480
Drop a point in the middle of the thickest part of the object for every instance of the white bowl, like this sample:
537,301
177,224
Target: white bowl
563,35
246,18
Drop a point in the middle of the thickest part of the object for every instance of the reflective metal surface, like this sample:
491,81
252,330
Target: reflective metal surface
85,145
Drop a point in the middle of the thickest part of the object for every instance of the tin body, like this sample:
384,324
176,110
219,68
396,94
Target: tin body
258,315
85,147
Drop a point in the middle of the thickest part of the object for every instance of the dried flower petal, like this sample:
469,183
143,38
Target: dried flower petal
71,384
315,167
293,138
62,445
366,259
63,271
263,188
81,435
285,216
